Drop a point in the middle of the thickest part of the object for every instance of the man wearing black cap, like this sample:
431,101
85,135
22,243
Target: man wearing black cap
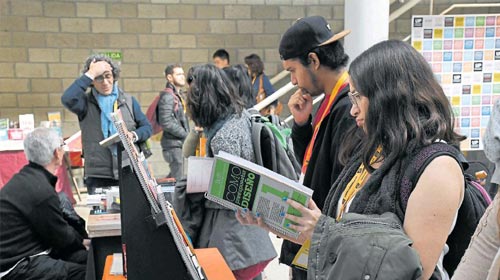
315,58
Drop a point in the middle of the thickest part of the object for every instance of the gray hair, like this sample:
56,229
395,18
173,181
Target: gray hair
40,144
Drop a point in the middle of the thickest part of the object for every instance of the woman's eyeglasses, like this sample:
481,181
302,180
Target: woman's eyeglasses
101,78
354,97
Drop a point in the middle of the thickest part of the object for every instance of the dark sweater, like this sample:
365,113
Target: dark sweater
324,166
31,219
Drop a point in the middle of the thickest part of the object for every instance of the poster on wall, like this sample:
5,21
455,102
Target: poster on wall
464,54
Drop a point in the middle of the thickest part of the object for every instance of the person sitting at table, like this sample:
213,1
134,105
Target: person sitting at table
36,242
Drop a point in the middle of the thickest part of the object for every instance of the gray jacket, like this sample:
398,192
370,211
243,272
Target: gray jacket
362,247
491,141
172,119
240,245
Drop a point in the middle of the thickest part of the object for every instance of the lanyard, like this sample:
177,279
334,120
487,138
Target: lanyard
356,183
341,83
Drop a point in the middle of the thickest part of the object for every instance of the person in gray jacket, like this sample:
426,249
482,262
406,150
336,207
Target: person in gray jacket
172,118
214,104
92,97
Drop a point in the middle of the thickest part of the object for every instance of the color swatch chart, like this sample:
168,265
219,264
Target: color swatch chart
464,53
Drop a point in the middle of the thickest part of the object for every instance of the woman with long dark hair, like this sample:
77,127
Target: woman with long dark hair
214,104
400,109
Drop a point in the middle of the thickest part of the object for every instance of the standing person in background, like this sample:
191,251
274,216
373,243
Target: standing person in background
35,240
92,97
221,58
316,61
482,258
214,104
241,81
260,82
172,118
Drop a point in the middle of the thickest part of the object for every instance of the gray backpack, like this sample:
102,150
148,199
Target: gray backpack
362,247
273,146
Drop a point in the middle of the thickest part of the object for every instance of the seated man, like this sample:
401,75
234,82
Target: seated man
35,240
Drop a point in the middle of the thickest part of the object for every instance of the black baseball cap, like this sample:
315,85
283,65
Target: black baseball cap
306,34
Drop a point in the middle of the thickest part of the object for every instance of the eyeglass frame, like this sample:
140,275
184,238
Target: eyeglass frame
354,97
100,79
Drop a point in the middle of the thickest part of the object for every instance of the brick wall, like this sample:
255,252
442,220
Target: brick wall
43,43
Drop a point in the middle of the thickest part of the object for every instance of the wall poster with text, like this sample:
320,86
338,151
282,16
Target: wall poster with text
464,54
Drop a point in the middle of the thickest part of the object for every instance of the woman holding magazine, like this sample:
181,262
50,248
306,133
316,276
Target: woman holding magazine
399,109
214,104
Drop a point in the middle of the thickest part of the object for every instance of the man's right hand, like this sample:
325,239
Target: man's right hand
97,68
300,106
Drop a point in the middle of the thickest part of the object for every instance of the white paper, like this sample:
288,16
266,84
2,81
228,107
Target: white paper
198,175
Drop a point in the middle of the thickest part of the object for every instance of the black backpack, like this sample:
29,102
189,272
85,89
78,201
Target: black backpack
273,146
475,202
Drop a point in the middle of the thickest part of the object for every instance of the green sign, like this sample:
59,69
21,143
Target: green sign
113,55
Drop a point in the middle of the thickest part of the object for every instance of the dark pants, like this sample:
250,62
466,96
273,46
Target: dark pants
173,156
92,183
45,267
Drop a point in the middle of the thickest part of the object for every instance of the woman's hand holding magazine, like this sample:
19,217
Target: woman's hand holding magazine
304,224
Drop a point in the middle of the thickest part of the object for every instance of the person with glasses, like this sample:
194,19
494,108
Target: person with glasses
171,112
316,60
36,242
400,110
92,97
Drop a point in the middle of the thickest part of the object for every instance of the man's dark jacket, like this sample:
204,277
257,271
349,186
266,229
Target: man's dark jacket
31,218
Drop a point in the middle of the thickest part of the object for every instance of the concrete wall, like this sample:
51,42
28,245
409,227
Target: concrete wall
43,43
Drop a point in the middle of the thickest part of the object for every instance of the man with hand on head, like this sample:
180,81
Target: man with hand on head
36,242
93,97
315,58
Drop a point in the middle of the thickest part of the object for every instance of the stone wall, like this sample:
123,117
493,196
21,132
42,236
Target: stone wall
43,43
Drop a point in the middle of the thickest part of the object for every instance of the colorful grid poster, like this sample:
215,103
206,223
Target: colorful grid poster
464,53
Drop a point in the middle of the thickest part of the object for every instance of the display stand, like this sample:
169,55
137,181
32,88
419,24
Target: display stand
149,250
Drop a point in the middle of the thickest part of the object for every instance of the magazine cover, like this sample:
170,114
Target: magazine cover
238,184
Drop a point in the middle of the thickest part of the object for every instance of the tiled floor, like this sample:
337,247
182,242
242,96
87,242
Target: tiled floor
274,270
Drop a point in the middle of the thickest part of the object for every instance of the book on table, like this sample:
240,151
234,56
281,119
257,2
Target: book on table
237,183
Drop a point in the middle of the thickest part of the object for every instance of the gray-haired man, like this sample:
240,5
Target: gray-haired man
35,240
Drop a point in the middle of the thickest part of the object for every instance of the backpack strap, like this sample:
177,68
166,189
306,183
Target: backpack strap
419,162
169,90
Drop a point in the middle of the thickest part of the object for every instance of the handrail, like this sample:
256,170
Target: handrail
403,9
475,5
278,77
271,98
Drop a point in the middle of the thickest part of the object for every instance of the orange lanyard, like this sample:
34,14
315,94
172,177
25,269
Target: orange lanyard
342,80
356,183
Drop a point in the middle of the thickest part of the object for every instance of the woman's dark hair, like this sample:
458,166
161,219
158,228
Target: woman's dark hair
99,57
255,64
331,55
239,76
211,95
407,107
